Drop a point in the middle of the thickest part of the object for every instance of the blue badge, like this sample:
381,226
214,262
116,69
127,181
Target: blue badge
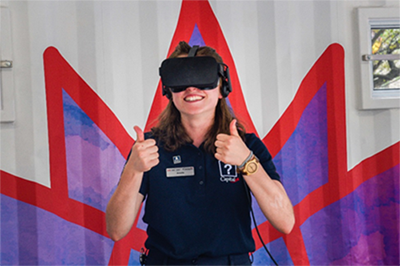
176,159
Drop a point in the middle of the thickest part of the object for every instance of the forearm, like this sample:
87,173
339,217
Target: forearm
272,199
124,205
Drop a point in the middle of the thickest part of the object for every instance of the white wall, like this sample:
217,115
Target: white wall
117,46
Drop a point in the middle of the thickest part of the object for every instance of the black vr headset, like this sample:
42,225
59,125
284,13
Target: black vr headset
203,72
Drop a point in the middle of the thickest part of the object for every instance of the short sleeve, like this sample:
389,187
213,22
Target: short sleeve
262,153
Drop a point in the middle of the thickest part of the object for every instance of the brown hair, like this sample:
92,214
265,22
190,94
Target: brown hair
170,130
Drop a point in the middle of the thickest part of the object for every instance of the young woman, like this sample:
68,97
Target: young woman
195,169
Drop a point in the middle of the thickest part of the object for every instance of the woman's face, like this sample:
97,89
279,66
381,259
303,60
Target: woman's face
194,102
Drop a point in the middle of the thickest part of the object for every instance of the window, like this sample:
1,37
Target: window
379,32
385,41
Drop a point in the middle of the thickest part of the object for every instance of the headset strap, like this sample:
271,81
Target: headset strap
193,51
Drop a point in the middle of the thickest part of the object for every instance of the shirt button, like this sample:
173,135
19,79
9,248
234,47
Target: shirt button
200,167
201,182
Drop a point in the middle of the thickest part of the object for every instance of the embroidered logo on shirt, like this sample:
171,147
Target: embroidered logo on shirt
176,159
228,172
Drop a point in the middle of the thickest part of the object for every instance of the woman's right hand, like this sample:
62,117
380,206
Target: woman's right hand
144,154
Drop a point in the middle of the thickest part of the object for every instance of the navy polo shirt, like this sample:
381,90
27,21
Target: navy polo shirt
197,205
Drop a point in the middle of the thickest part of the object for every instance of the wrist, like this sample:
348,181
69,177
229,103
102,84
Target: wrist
250,166
246,160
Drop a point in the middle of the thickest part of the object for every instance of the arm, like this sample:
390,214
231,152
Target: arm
270,194
272,199
124,204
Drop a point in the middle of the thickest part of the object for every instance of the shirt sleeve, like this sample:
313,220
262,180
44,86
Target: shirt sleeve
262,153
144,186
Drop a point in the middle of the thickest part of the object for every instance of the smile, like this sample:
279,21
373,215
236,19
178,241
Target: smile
193,98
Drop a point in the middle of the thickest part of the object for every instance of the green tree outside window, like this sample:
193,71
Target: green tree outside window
386,73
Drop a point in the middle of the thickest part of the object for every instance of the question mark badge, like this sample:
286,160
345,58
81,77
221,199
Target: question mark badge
229,168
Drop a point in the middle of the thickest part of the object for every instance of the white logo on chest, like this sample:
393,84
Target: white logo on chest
228,172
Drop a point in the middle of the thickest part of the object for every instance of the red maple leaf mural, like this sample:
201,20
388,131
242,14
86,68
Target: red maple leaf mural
328,71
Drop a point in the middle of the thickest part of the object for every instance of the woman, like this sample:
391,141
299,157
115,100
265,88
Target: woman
194,169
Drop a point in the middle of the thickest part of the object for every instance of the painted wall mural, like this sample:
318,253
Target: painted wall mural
343,217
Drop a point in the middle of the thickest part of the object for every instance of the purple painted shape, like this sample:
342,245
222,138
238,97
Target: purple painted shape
33,236
360,229
303,161
94,164
278,251
134,258
196,38
12,244
141,224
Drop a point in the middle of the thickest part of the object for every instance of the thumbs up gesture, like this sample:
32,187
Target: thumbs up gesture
144,153
230,148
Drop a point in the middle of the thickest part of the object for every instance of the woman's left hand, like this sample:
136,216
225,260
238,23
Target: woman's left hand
270,194
230,148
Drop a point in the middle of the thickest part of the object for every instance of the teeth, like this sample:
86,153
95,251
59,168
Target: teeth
193,98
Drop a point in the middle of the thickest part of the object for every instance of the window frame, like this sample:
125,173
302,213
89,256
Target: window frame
367,19
7,98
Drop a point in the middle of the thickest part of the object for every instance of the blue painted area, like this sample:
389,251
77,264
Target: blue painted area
10,232
134,258
303,161
196,38
32,236
77,123
362,228
278,251
94,164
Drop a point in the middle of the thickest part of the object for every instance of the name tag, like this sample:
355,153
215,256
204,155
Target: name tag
180,171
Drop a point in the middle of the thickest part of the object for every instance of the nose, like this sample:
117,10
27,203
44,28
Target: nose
192,89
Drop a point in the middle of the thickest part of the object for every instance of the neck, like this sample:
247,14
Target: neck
197,128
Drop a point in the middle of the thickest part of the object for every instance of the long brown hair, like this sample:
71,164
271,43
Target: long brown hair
170,130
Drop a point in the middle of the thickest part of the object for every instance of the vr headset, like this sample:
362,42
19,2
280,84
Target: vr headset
202,72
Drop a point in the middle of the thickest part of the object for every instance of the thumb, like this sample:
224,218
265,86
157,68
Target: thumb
139,133
233,128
